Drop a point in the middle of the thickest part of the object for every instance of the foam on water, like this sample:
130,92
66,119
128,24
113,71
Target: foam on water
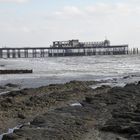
63,69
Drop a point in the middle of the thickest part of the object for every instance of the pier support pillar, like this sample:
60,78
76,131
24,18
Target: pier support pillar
42,53
34,53
19,55
84,51
137,51
63,52
1,53
26,53
8,53
13,53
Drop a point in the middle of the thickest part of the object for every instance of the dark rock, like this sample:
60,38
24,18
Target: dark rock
11,85
108,110
13,93
2,87
136,137
89,99
9,100
21,116
12,136
126,77
138,82
38,120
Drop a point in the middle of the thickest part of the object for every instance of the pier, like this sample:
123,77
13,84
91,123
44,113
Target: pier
67,48
36,52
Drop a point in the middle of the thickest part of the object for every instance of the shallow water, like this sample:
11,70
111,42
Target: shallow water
64,69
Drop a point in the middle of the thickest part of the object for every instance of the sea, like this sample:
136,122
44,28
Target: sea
117,70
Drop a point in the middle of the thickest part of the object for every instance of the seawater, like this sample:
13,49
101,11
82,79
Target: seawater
63,69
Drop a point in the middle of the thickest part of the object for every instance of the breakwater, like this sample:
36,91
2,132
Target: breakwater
15,71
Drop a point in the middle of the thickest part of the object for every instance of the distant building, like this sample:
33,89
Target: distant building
76,43
76,48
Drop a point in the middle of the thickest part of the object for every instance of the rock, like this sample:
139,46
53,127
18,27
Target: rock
126,77
21,116
136,137
38,120
13,93
11,85
2,87
9,100
11,136
88,99
113,111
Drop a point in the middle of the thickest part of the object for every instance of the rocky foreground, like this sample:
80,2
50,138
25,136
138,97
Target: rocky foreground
72,111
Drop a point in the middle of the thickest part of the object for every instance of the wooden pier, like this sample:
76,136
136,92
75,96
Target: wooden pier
66,48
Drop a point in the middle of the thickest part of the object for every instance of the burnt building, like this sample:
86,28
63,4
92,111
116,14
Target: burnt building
76,48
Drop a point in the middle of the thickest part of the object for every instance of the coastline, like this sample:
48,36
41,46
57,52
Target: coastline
73,110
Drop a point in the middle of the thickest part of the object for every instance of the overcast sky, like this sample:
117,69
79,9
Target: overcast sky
39,22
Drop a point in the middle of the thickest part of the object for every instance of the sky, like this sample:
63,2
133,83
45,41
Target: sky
39,22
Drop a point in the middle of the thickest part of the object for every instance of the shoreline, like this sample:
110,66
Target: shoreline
44,81
73,110
18,84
